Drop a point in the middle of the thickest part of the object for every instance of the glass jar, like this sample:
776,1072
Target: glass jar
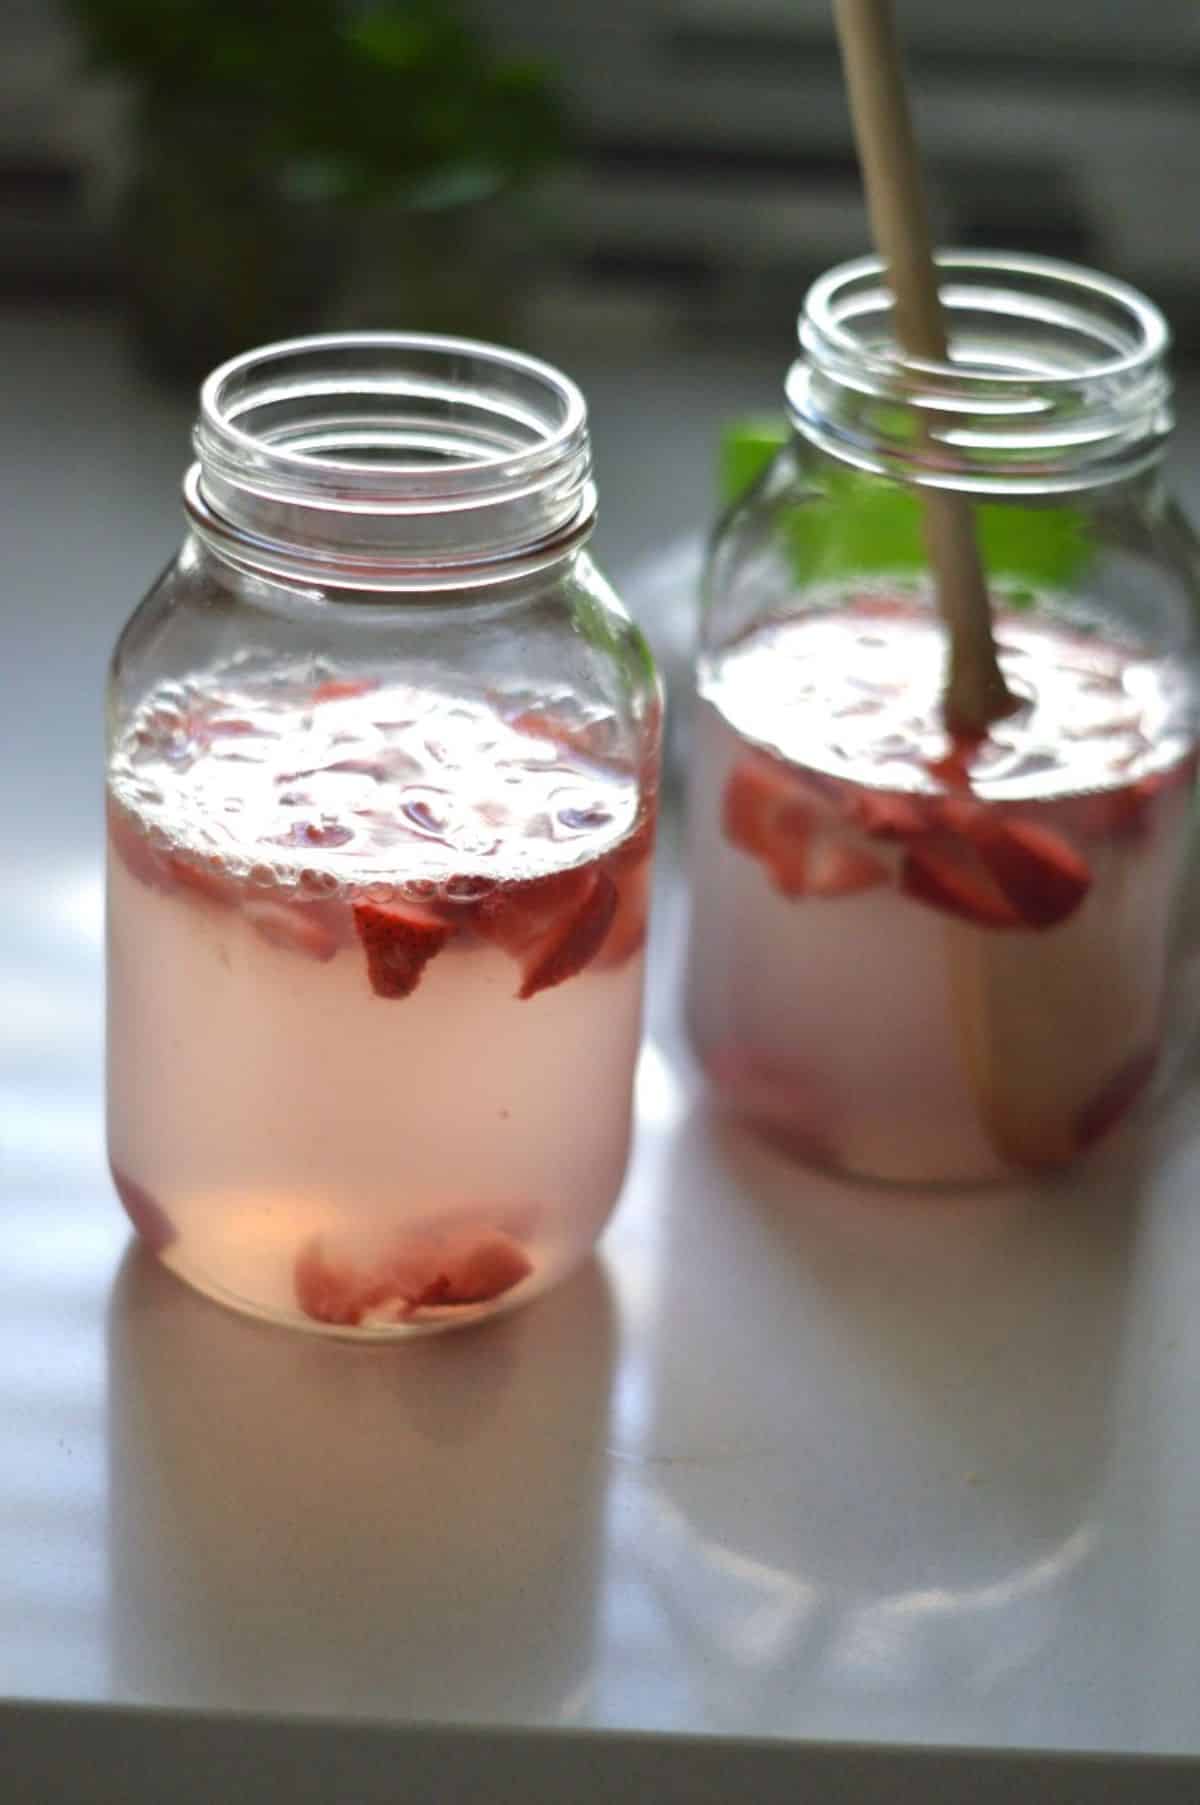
382,769
916,957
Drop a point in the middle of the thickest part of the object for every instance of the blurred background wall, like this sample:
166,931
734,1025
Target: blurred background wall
675,166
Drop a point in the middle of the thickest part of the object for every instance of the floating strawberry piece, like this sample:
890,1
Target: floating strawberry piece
295,927
964,815
1039,872
627,933
887,815
517,916
1129,813
585,739
760,808
945,874
785,826
836,867
573,940
144,1211
399,940
205,877
341,689
1115,1098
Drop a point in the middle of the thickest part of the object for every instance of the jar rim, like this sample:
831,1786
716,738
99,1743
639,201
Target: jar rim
1056,378
236,378
820,315
391,460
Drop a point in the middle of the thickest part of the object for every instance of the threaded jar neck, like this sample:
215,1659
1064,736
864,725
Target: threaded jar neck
1056,381
390,461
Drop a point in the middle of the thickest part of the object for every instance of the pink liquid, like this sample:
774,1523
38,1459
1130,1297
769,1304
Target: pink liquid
374,995
915,968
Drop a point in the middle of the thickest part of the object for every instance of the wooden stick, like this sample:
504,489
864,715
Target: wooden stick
976,693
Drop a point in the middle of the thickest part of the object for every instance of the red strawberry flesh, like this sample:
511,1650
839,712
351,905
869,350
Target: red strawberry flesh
428,1273
573,940
942,874
399,941
294,927
1039,872
340,689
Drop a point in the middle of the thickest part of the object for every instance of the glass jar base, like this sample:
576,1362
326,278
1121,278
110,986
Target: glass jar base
816,1157
423,1324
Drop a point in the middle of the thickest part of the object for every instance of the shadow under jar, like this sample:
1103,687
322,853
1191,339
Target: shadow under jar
917,957
382,773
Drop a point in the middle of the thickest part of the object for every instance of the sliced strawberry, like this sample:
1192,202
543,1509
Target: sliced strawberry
887,815
340,689
203,876
518,916
945,874
474,1270
399,940
760,808
573,940
836,867
1039,872
327,1290
627,934
583,739
1115,1098
144,1211
295,927
431,1272
963,814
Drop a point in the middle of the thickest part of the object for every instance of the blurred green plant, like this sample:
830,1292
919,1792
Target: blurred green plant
862,525
359,100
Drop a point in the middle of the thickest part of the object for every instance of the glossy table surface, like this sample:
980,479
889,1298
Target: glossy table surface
789,1461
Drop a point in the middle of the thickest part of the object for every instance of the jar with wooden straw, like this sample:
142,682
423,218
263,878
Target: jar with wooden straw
946,749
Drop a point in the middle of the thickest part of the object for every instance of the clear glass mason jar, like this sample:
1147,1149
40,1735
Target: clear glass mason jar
382,771
916,957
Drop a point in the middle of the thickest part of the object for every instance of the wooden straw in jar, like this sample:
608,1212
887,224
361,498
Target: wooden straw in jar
976,693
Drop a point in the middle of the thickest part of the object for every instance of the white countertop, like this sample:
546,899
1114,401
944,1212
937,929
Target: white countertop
790,1461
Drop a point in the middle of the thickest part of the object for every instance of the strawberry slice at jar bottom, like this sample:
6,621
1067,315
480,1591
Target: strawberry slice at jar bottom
475,1271
399,940
428,1273
144,1211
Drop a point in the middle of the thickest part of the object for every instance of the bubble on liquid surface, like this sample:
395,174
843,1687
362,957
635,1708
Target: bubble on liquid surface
334,787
